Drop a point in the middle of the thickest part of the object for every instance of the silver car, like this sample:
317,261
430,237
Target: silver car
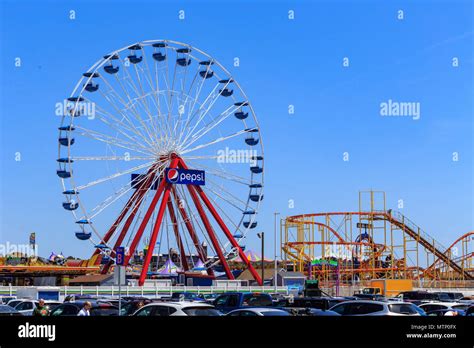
377,308
258,312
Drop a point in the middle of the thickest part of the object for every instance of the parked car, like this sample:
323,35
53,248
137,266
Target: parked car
445,312
234,300
373,297
278,298
417,297
433,306
470,311
187,296
7,311
376,308
130,307
258,312
312,302
311,312
26,307
14,302
5,299
210,297
166,309
73,308
467,299
448,296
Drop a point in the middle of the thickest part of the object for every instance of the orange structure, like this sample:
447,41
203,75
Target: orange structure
372,243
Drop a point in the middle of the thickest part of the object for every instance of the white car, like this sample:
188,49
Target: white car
12,303
258,312
433,306
468,299
166,309
26,307
376,308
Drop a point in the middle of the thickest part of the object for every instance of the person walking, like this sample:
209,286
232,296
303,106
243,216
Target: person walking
85,311
41,309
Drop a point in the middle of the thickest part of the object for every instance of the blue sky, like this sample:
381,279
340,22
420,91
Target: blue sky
282,62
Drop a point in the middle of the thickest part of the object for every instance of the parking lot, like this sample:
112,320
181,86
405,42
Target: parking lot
239,303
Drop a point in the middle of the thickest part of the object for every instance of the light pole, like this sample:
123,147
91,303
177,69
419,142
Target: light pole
275,247
261,235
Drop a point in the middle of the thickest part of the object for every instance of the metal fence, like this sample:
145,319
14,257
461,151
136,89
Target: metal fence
150,291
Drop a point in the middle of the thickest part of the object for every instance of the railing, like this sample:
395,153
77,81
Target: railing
155,291
414,227
422,234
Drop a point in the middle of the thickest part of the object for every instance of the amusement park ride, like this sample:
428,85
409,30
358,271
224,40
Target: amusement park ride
138,155
349,247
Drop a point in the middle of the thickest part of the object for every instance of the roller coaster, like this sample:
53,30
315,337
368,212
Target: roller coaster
352,247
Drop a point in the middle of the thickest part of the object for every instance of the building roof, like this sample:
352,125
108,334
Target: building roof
268,273
91,278
283,273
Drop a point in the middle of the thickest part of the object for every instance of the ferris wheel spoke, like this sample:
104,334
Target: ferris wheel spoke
216,141
227,200
164,124
237,231
125,134
181,96
127,105
200,157
132,84
116,196
114,176
237,227
155,98
116,123
195,77
223,189
112,141
111,158
211,125
211,98
127,188
170,95
146,104
181,121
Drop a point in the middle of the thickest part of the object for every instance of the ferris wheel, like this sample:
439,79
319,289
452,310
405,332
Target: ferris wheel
159,149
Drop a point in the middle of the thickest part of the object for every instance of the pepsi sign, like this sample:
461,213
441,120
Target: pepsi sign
185,176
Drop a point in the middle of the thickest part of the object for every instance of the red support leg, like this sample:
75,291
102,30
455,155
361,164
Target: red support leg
210,231
147,216
182,252
143,190
190,229
123,213
226,231
154,235
117,222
